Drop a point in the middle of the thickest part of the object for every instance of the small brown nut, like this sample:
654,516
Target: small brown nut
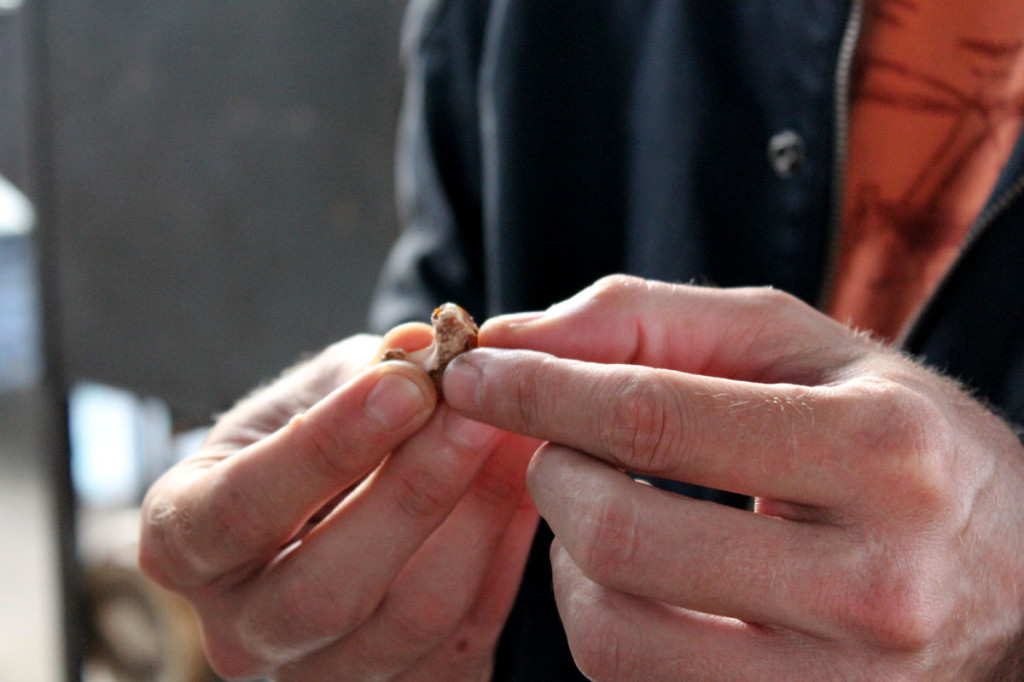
455,332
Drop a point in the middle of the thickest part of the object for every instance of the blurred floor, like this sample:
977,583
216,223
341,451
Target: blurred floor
29,631
29,623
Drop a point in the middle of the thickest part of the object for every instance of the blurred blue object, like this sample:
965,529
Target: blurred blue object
20,362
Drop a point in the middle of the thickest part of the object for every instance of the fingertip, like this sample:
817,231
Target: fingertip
510,331
409,337
541,477
513,320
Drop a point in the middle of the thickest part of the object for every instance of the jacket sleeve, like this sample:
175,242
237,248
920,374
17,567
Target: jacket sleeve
439,253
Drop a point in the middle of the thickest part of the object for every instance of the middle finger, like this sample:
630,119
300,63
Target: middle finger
641,540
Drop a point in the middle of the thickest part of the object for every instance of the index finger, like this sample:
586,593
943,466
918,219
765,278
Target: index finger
762,334
211,516
783,441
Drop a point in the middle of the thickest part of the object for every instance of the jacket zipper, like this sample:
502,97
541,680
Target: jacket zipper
841,101
988,216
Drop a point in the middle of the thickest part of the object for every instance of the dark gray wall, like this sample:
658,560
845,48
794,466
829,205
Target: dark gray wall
13,133
221,185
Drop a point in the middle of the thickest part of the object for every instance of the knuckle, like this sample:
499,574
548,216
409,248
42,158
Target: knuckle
785,335
234,519
644,425
899,608
776,309
164,544
187,542
611,291
495,487
905,438
322,449
773,298
530,401
897,410
313,609
615,285
526,390
422,494
155,540
611,540
426,618
236,647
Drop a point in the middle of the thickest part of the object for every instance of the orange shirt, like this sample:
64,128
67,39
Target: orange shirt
937,103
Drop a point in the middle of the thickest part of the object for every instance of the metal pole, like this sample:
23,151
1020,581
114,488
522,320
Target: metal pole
55,379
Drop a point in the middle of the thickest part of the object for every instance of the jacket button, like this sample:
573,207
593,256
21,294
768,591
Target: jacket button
786,153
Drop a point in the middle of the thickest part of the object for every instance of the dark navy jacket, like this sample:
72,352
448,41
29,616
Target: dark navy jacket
545,143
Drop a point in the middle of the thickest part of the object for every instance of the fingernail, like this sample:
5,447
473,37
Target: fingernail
518,319
462,384
394,401
505,324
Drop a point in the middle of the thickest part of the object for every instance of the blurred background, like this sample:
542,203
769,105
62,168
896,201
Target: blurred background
193,195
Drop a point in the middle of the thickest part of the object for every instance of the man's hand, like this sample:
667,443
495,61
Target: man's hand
336,526
887,541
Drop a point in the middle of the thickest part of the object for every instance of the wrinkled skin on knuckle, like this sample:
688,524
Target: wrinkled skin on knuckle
643,425
422,494
610,539
166,552
156,557
524,398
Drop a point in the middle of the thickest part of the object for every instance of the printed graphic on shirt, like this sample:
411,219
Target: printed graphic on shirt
936,108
